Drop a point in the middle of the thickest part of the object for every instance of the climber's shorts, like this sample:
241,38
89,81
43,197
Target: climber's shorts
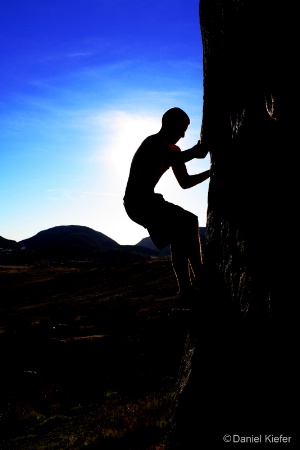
164,221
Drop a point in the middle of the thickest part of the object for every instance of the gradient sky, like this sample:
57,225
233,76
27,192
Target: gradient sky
82,83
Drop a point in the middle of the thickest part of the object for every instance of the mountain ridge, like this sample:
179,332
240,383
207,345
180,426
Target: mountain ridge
75,240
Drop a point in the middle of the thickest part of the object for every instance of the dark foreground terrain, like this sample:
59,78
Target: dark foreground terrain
90,354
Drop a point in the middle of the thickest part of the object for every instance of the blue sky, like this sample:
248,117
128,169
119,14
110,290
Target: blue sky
82,83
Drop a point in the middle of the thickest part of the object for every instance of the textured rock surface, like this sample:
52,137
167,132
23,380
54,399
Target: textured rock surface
249,122
243,372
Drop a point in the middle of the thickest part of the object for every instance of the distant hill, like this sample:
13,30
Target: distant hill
148,243
73,241
69,239
76,241
8,244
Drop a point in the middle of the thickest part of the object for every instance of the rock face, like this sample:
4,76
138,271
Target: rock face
243,371
249,123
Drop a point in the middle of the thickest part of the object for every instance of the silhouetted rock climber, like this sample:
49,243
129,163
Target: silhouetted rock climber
168,224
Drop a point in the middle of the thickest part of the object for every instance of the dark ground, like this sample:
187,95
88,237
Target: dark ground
93,354
90,354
